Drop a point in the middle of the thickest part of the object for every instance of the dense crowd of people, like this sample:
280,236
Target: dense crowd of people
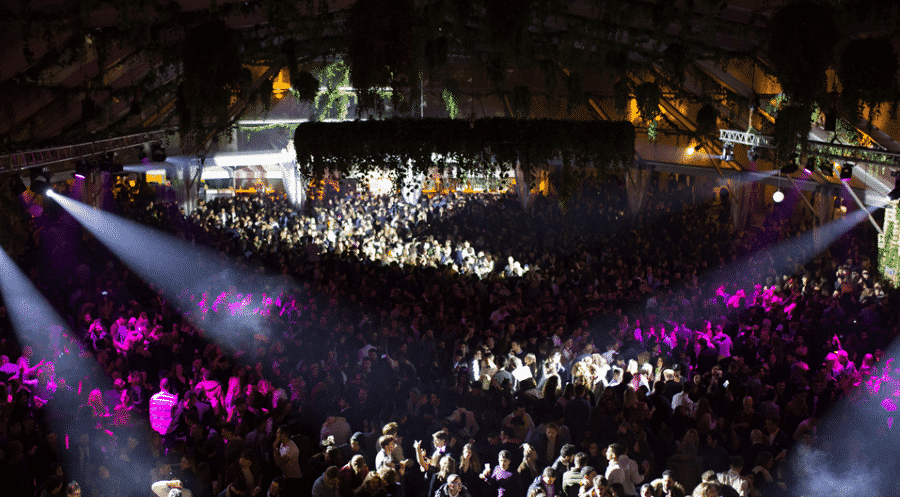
459,346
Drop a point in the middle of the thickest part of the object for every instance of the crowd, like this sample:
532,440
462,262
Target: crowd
413,355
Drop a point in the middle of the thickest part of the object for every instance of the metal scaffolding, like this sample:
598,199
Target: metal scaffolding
46,156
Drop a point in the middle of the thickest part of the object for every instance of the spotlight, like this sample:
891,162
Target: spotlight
826,168
791,167
810,165
752,154
690,150
40,182
778,196
157,153
895,193
847,171
82,169
141,152
728,152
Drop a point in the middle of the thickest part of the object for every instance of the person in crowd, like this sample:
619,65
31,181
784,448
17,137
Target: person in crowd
453,488
502,480
623,470
376,281
546,483
286,454
733,477
162,409
170,488
352,475
327,484
666,486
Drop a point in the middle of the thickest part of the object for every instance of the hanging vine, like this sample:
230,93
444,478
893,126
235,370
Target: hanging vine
802,40
211,76
400,144
868,74
379,48
647,96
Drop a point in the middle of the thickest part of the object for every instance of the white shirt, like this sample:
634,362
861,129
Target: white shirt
680,399
162,488
724,344
162,404
624,471
734,480
288,460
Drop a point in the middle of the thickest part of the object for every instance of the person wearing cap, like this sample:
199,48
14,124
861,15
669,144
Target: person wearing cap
354,447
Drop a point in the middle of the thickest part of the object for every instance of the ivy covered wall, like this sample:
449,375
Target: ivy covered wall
889,247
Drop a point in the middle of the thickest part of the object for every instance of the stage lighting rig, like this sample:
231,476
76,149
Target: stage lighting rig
40,182
847,171
728,152
895,193
792,166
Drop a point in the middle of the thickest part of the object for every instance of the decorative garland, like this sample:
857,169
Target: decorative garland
403,144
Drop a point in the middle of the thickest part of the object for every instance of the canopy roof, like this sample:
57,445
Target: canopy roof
76,72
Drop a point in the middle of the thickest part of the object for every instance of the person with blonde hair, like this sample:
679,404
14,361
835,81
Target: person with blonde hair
446,467
169,488
371,486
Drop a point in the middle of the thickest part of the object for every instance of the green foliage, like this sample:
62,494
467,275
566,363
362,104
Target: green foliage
648,96
335,101
792,125
868,74
379,47
401,144
306,84
211,75
802,40
450,103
